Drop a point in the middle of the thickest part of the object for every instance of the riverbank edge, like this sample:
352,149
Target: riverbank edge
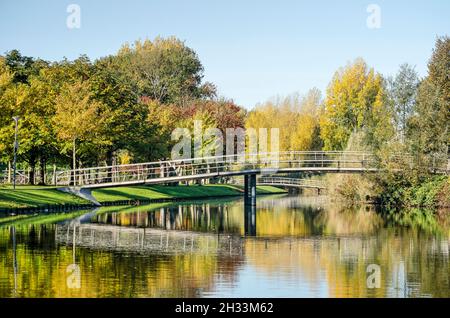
431,193
66,207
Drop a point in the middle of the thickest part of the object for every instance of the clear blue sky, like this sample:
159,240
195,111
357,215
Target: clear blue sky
252,50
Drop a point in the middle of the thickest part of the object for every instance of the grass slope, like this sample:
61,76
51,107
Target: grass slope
24,197
31,196
171,192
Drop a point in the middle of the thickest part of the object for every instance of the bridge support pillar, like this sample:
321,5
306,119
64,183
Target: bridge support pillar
250,189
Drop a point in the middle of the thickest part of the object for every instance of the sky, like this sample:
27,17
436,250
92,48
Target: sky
252,50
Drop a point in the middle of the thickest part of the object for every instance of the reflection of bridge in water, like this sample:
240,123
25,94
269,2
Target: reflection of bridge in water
146,240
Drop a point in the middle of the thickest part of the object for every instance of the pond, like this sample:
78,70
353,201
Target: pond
289,246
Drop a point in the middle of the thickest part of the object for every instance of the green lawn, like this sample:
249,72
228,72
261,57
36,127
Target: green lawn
171,192
26,187
27,197
35,196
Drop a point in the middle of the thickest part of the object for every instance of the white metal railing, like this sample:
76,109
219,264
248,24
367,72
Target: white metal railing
185,169
22,177
284,181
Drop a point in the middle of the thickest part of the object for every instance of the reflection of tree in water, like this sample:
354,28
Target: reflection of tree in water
308,217
42,269
335,220
193,217
414,262
426,220
411,264
302,244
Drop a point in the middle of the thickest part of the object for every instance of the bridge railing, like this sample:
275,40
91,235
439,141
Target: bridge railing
160,171
307,183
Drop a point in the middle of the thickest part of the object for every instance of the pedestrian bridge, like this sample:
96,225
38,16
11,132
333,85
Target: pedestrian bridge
171,171
81,181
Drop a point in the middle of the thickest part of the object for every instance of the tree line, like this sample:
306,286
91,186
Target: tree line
364,110
118,109
122,108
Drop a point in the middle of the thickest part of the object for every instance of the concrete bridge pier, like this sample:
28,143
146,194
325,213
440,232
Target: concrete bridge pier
250,189
250,204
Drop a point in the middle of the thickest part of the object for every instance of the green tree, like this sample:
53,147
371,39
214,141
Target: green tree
428,129
23,67
402,94
7,100
123,112
21,98
165,70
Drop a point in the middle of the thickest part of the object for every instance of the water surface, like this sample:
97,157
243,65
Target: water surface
287,247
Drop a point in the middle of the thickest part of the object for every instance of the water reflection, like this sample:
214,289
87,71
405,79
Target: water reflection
13,235
250,220
285,247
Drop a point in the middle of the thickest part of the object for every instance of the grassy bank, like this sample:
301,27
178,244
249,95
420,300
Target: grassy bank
34,197
145,193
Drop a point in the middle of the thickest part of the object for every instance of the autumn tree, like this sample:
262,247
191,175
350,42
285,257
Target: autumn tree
276,113
306,136
355,101
76,117
18,98
7,101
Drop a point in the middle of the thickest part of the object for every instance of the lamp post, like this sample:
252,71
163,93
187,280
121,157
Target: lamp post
16,146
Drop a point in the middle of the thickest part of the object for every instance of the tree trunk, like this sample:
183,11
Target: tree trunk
42,164
109,162
32,171
31,174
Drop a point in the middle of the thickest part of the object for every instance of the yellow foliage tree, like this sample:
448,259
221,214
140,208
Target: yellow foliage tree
306,133
355,101
295,116
77,114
